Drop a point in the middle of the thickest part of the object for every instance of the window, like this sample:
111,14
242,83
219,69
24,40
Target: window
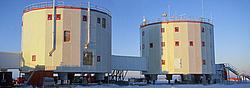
202,29
162,44
142,33
177,43
98,58
143,46
163,62
151,45
162,30
203,62
33,57
203,43
49,16
84,18
176,29
98,20
103,22
88,58
66,36
191,43
58,16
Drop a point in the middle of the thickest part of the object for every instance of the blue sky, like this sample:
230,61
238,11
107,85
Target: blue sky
231,20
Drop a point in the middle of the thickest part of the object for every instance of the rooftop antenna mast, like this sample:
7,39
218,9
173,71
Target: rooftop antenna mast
169,11
202,10
144,21
164,15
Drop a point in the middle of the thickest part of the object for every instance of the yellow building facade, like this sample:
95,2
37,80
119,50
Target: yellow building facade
71,33
178,47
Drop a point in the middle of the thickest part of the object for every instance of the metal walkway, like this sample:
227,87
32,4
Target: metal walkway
241,75
128,63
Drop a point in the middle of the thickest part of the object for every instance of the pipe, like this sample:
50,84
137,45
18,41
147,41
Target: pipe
54,29
88,27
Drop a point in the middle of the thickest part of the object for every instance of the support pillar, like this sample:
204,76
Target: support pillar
169,78
63,77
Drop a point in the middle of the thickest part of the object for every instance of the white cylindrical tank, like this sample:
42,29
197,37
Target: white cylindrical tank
71,35
178,47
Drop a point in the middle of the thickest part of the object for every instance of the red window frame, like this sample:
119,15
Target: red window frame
33,57
191,43
162,44
163,62
177,43
162,30
176,29
50,17
58,16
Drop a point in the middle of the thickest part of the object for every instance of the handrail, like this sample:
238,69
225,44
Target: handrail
169,19
241,73
61,3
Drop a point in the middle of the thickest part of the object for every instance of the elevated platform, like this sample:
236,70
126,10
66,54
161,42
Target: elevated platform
9,60
128,63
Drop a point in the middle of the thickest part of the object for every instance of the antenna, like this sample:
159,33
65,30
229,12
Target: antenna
211,16
164,15
144,21
169,11
202,8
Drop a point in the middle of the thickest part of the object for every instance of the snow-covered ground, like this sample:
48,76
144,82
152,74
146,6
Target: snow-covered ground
245,85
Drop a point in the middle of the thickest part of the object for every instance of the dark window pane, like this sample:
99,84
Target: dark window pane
87,58
98,20
84,18
176,29
66,36
203,62
49,16
162,44
191,43
163,62
58,16
98,58
33,57
162,30
151,45
203,43
202,29
103,22
177,43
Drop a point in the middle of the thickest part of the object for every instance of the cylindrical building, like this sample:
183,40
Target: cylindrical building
178,47
71,35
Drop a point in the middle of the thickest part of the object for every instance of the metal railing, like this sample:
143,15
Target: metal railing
179,18
61,3
236,71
